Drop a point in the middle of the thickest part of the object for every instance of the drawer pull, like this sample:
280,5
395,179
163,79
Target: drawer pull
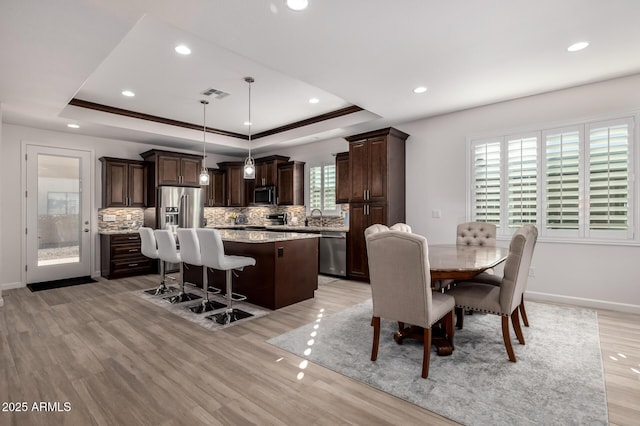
132,250
132,238
132,264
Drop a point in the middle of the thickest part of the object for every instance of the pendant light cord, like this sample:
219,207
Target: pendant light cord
249,80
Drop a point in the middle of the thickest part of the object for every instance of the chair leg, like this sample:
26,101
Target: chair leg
400,326
427,352
507,339
523,312
450,329
375,322
515,320
459,317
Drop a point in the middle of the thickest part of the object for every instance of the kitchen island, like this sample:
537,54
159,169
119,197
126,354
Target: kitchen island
286,269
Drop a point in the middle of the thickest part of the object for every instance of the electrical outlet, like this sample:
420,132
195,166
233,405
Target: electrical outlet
532,272
109,217
436,214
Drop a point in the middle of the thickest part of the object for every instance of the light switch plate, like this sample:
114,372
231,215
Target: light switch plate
436,214
109,217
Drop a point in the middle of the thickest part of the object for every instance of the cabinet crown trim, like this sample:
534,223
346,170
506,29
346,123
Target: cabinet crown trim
376,133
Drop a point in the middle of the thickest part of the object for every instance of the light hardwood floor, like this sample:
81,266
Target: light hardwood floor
119,360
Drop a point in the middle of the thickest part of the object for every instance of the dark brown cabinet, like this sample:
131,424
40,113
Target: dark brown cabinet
343,180
267,169
291,183
216,190
172,168
377,193
123,183
238,190
120,256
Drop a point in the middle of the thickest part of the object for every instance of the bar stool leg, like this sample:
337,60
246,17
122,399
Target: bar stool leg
162,288
206,305
230,314
183,296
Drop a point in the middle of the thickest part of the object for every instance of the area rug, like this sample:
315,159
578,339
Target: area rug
557,380
68,282
182,309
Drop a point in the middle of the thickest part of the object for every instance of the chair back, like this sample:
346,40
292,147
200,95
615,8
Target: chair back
167,249
401,227
476,234
189,246
148,242
400,276
211,247
516,268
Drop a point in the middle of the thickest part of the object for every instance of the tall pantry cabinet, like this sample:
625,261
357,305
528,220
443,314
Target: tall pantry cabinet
377,195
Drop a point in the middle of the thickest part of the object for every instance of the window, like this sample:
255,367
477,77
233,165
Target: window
322,188
573,182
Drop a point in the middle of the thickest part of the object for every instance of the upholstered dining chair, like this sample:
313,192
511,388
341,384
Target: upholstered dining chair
503,299
489,277
401,227
401,287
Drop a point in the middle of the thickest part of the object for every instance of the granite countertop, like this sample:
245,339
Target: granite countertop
309,228
118,231
256,236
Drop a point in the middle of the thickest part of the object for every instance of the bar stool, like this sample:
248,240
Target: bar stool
150,249
190,253
168,252
213,257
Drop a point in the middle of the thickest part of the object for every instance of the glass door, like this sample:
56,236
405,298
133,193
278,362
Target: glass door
58,207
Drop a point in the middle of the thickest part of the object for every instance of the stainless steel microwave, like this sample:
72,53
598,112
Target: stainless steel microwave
264,195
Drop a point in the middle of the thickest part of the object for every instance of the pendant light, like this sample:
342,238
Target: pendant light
249,164
204,175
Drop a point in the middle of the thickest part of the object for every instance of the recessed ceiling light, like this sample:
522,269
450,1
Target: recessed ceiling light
128,93
420,89
578,46
297,5
73,126
247,123
182,49
314,100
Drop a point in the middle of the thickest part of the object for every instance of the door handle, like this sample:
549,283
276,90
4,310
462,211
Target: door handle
86,229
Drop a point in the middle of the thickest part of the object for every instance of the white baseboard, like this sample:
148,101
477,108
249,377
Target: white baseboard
9,286
579,301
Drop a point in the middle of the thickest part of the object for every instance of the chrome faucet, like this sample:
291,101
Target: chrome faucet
321,218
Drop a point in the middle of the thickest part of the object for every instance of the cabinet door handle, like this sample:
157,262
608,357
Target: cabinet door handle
364,194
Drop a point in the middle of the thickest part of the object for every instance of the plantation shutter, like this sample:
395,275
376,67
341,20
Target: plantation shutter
562,180
486,178
609,176
522,174
329,187
315,187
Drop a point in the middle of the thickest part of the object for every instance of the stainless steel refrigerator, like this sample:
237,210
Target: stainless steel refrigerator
176,207
179,207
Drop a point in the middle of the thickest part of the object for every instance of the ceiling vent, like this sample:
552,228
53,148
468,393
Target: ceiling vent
218,94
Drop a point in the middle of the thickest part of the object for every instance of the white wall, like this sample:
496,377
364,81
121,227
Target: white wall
588,274
11,170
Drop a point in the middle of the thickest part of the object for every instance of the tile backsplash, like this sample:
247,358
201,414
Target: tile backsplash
133,218
126,219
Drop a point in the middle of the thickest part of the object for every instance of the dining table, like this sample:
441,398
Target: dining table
453,262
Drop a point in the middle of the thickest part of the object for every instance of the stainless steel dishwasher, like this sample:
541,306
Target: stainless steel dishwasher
333,253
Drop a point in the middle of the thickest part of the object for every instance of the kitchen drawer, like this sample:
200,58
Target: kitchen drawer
126,250
124,239
130,266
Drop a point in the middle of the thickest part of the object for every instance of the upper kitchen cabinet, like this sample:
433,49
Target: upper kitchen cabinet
172,168
376,166
343,180
216,190
123,183
237,189
291,183
267,169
